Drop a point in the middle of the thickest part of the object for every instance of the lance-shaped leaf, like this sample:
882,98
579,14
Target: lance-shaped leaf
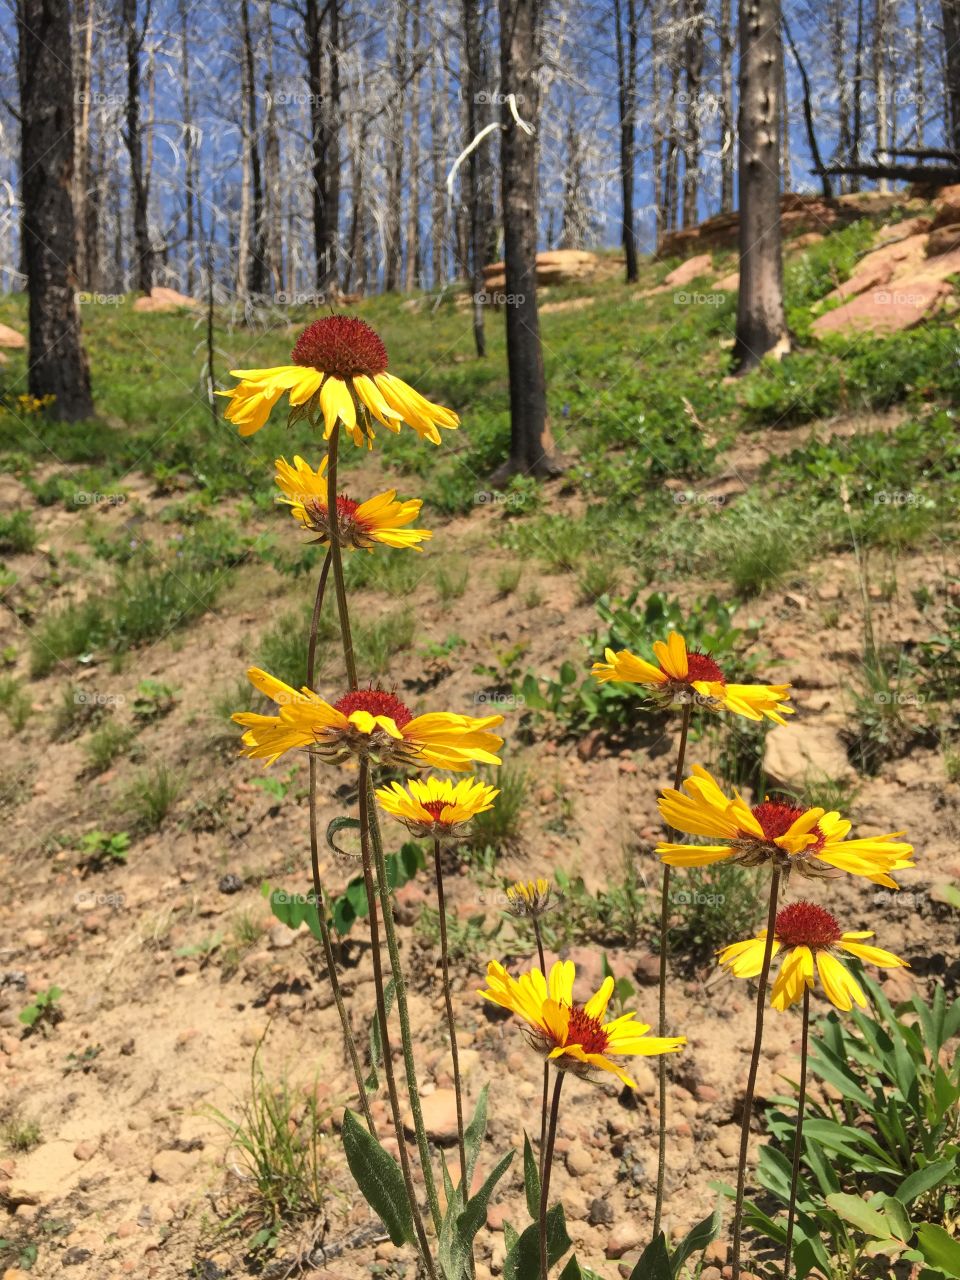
378,1176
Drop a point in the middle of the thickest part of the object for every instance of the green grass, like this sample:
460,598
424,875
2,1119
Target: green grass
15,702
375,643
17,533
108,742
500,825
152,795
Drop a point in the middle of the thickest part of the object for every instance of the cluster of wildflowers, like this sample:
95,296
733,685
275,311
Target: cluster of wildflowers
338,381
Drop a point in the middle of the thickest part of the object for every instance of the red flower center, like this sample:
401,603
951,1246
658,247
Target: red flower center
434,808
804,924
776,817
342,346
379,702
585,1031
700,666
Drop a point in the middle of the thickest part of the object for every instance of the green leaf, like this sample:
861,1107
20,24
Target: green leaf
523,1260
474,1134
376,1048
457,1234
378,1176
696,1240
861,1215
292,909
939,1248
921,1180
654,1262
898,1220
572,1270
531,1179
341,824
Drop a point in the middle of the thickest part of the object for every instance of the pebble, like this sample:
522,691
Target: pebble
601,1213
579,1160
172,1167
439,1116
728,1140
85,1150
625,1236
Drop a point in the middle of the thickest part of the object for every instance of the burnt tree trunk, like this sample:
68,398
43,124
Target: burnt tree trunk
471,183
325,138
727,146
950,12
520,52
393,249
693,71
627,57
761,325
256,281
143,250
58,365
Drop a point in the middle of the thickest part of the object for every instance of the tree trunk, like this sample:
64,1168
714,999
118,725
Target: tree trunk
81,183
273,209
627,58
880,85
143,251
761,326
189,152
325,138
256,268
413,193
950,11
815,154
844,144
393,249
520,52
693,69
786,176
727,140
470,187
58,365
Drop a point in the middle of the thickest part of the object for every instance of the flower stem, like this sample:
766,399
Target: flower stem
752,1075
662,1007
369,815
315,866
798,1137
545,1180
382,1021
451,1021
336,556
544,1104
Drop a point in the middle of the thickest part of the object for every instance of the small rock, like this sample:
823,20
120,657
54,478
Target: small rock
281,937
439,1116
601,1213
73,1257
579,1160
172,1167
230,883
728,1140
85,1150
625,1236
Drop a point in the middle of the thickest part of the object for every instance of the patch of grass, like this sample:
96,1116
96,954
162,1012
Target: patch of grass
107,742
501,825
451,583
597,578
283,649
18,1132
757,543
279,1140
468,939
66,633
376,642
77,710
15,702
17,534
703,902
152,795
507,579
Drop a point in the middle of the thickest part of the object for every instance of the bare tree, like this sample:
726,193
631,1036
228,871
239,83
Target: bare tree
256,277
520,47
950,14
628,43
761,325
135,34
727,148
393,248
58,365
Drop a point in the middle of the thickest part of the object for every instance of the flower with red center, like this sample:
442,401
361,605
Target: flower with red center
809,936
339,373
436,808
809,841
360,525
684,676
573,1036
372,723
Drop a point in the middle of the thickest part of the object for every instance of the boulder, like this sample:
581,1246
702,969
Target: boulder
729,284
794,753
947,206
554,266
943,239
688,271
163,299
902,305
901,230
10,338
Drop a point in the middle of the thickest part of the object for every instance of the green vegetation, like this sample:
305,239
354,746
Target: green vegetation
17,533
152,796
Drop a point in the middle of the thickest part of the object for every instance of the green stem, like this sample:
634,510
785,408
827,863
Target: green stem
545,1180
752,1075
388,1071
336,556
317,882
545,1096
400,987
662,998
451,1020
798,1137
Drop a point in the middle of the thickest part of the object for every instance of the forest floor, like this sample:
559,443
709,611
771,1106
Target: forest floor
804,520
